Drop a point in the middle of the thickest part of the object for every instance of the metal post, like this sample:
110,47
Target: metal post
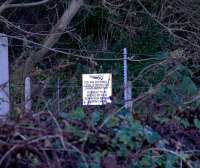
58,96
4,78
28,101
125,78
129,95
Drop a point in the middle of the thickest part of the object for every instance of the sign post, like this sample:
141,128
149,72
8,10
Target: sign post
97,89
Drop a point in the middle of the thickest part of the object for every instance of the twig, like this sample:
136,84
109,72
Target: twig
25,5
7,153
3,6
110,117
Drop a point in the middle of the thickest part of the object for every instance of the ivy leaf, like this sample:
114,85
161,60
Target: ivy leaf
147,160
183,121
123,151
124,136
97,160
184,70
78,114
151,135
95,117
162,143
197,123
114,122
188,86
63,115
76,131
171,160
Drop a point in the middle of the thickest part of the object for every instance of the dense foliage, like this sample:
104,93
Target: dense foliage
58,41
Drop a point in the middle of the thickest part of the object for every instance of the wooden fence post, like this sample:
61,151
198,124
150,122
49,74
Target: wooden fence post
27,93
4,78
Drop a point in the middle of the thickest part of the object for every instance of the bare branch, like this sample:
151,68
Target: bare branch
60,27
25,5
4,5
53,37
169,29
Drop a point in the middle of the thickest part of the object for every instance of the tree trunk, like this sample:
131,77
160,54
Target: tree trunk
22,69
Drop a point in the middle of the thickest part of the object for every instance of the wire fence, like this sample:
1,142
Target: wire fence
59,90
61,95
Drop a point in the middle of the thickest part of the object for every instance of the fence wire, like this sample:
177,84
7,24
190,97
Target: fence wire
62,95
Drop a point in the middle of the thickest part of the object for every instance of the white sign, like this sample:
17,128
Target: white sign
97,89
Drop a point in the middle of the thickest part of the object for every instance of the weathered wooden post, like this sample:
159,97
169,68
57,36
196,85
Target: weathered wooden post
4,78
27,93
